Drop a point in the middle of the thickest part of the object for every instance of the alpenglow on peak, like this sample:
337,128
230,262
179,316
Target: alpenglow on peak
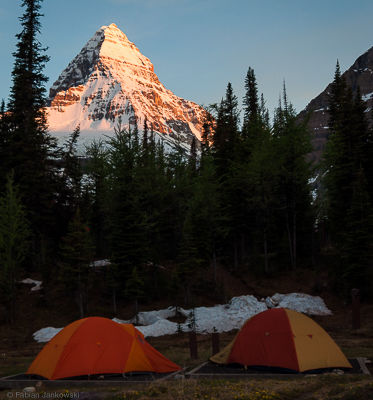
109,81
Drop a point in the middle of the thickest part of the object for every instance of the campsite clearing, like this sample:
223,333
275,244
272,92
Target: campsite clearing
18,349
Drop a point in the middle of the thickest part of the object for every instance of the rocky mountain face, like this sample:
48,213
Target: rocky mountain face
111,81
360,74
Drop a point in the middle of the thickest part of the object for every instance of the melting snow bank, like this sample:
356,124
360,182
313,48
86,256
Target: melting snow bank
304,303
220,318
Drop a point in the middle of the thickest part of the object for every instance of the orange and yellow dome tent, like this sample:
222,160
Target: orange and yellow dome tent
98,345
282,338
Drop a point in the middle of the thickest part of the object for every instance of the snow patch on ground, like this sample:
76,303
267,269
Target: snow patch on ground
45,334
37,284
301,302
219,318
100,263
367,96
149,317
159,328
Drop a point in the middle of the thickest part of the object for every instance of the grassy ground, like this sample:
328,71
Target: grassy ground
325,387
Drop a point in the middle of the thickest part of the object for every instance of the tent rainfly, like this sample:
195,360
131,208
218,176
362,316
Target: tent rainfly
282,338
98,345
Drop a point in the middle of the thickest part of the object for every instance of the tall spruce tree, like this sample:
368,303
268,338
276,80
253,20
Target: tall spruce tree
346,176
193,155
70,190
134,289
356,250
189,260
252,114
264,113
127,220
30,147
14,244
4,143
76,252
226,150
260,172
204,214
207,132
226,131
294,172
341,155
145,139
98,171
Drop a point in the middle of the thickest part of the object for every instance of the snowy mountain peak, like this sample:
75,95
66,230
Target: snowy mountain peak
113,27
113,31
110,79
115,45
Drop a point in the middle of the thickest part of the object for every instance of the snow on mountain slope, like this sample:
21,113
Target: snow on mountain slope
110,80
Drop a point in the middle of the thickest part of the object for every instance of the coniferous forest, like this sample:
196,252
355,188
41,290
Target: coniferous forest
246,199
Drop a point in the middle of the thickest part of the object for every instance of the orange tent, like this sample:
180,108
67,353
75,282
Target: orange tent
283,338
98,345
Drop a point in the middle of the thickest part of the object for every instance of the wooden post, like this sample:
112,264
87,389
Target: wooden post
355,295
215,343
193,345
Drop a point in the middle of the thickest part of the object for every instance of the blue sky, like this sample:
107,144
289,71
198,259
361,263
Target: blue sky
198,46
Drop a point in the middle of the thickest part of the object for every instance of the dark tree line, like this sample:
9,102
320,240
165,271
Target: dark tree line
241,199
347,187
264,182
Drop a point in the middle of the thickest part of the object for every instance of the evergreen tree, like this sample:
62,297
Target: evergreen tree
152,140
136,133
203,219
30,148
176,202
343,156
135,289
152,187
70,192
262,181
347,168
98,171
356,253
14,244
227,152
127,221
336,99
76,252
145,135
4,145
226,131
27,100
189,259
207,132
193,155
363,153
293,144
264,113
252,115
